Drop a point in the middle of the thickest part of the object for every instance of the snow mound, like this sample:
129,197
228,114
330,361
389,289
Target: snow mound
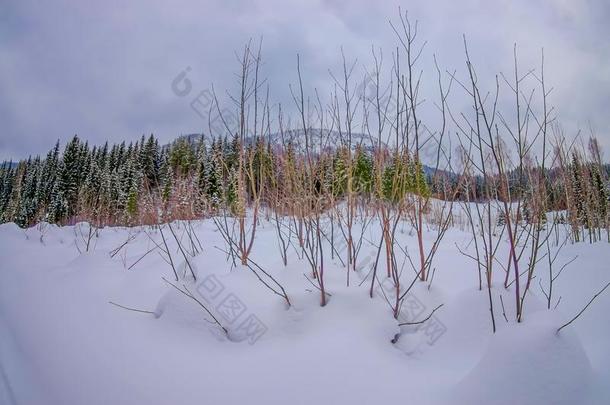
185,313
528,363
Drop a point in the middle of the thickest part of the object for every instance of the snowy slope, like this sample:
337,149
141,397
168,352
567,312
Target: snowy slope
61,342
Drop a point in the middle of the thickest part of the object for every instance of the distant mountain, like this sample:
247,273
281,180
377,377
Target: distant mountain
321,140
318,139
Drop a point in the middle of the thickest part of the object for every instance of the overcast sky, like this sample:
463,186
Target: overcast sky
104,69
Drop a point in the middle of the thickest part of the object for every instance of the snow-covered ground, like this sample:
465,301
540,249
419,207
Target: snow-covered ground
62,342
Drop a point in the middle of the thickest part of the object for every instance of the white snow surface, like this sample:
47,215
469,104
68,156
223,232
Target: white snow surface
62,342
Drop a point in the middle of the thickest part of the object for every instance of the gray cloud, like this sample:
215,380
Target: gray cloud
103,70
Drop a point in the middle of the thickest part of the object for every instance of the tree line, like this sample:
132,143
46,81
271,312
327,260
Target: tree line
144,183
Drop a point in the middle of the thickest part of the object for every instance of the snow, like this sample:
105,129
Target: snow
62,342
538,367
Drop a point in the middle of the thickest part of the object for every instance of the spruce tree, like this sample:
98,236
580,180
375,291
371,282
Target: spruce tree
59,205
213,174
166,178
69,180
13,206
362,172
7,175
182,158
149,162
418,183
28,205
340,172
48,177
201,167
601,197
578,194
396,178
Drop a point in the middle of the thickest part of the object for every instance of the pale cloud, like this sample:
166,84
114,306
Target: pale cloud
104,69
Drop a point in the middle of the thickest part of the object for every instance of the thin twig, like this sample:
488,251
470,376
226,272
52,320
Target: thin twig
131,309
583,310
423,320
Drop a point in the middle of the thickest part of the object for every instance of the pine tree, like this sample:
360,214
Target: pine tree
93,191
362,172
396,179
7,176
149,162
234,200
213,174
133,194
68,181
48,177
231,151
578,192
326,176
601,197
28,205
84,161
201,167
166,178
14,200
59,204
182,158
105,201
418,183
124,174
340,172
